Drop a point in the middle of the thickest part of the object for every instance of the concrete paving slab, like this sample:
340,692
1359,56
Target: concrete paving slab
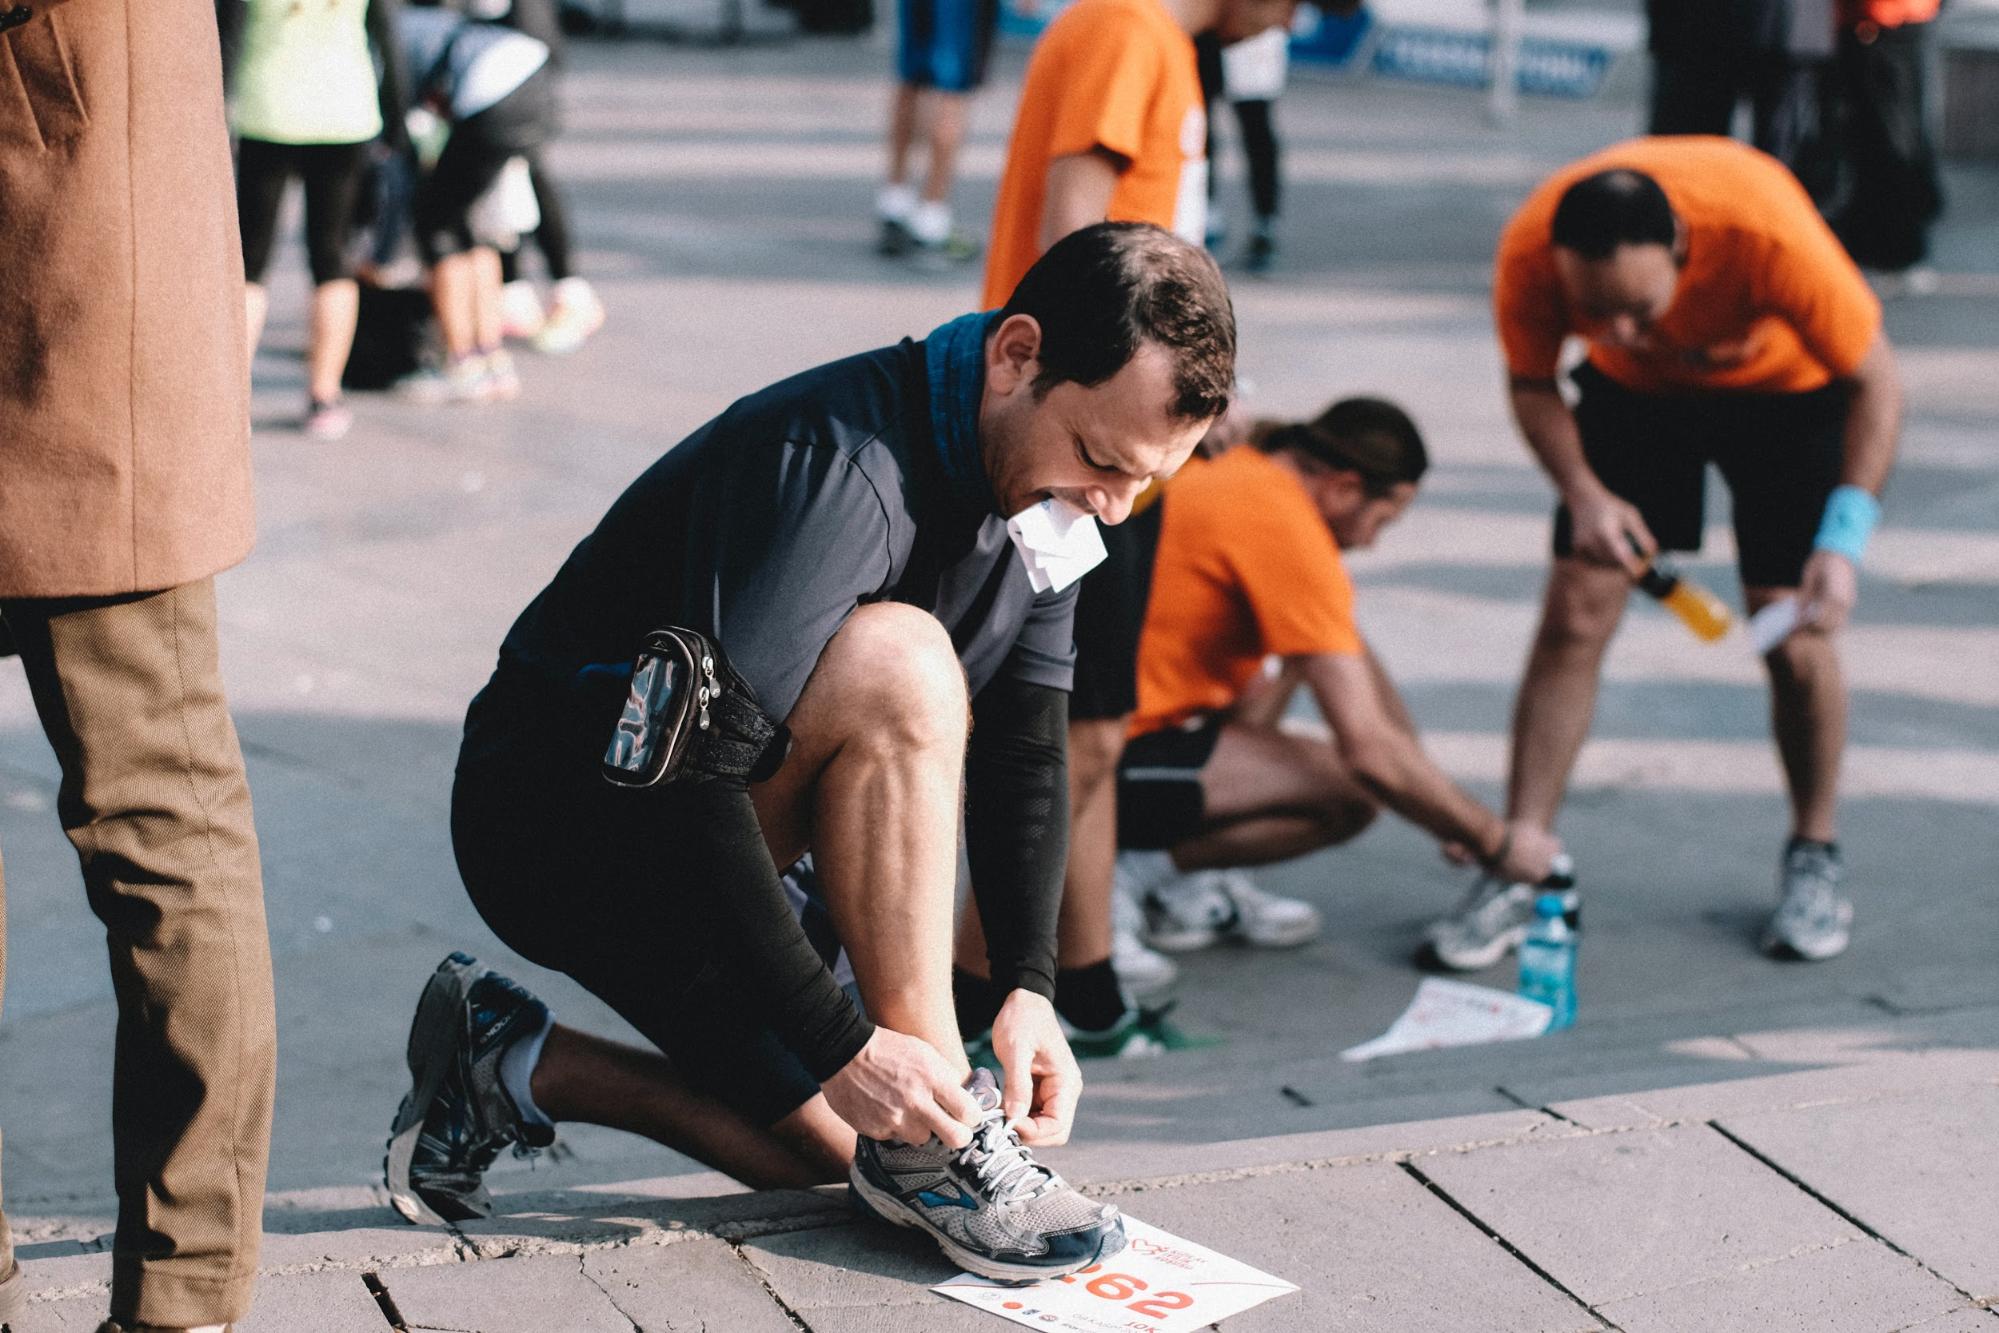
1902,1076
576,1225
334,1302
69,1275
1369,1248
1858,1287
859,1276
1613,1216
75,1316
693,1284
359,1247
1960,1321
504,1296
1918,1170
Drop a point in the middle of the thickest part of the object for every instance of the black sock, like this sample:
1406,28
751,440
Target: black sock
1089,996
976,1001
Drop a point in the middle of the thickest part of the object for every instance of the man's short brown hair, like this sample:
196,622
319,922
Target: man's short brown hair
1102,292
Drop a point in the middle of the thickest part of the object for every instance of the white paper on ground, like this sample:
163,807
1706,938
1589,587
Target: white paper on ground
1456,1013
1773,624
1157,1284
1058,543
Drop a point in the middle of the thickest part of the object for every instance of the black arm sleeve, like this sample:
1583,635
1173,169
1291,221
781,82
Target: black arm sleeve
798,995
392,88
1017,826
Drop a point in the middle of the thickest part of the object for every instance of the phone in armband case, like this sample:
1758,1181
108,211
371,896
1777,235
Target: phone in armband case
673,683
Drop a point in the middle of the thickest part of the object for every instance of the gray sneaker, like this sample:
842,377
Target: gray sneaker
1485,927
990,1206
458,1115
1813,921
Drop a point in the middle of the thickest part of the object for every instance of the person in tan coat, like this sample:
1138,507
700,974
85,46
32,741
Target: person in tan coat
124,488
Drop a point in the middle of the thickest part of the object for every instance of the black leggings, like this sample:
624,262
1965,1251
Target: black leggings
475,154
332,174
552,236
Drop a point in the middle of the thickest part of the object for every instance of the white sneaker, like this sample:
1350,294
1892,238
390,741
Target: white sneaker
1143,972
575,315
521,315
1201,909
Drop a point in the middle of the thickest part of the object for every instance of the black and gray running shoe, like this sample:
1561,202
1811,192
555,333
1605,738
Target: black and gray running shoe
457,1115
990,1206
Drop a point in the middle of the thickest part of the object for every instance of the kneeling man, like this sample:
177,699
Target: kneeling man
843,538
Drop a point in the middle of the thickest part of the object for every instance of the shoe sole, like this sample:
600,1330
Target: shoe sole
1478,960
1182,941
433,1041
888,1208
1784,951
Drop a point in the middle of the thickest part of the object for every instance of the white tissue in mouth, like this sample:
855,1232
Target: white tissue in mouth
1058,543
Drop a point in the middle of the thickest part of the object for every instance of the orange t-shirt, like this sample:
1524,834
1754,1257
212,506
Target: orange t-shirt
1246,568
1112,74
1767,301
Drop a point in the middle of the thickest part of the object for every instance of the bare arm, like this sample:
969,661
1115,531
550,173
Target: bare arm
1830,585
1387,760
1391,698
1079,192
1605,526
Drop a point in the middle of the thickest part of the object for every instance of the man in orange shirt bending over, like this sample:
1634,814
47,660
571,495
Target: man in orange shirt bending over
1249,569
1725,325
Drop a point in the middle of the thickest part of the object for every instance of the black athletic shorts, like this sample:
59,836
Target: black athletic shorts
1780,454
586,880
1159,801
1110,614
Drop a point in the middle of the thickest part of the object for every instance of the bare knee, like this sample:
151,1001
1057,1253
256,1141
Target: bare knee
1582,608
1095,744
1801,661
898,676
1347,818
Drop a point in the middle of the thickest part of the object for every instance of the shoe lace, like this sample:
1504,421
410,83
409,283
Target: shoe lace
1005,1170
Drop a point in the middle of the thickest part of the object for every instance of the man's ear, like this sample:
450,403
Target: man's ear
1013,354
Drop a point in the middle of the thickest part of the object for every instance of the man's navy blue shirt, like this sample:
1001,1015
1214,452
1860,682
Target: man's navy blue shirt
765,528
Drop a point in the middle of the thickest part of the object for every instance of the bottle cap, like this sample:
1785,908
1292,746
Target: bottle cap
1549,905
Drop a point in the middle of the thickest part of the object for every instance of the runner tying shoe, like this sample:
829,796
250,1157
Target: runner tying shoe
1213,778
1725,325
841,542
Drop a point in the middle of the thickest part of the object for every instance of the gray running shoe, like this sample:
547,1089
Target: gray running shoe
896,239
1487,925
1813,921
990,1206
457,1115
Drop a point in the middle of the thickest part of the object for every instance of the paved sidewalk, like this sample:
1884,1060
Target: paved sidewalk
721,204
1857,1192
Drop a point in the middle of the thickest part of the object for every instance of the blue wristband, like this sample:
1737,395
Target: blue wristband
1850,516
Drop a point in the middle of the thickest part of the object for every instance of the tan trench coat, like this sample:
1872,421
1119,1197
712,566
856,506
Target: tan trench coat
124,422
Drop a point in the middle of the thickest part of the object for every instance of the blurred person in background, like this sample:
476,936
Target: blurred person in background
490,87
1708,56
306,102
1890,192
574,311
1724,326
1110,126
1250,77
942,47
1251,600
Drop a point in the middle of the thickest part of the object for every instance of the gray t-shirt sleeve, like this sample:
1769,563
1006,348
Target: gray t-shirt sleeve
1045,651
803,541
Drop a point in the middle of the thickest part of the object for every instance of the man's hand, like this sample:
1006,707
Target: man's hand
1610,531
899,1088
1042,1081
1827,591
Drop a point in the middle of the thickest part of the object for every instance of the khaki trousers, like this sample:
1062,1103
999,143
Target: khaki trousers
154,800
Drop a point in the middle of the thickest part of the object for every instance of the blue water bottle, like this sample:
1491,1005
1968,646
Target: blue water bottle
1548,960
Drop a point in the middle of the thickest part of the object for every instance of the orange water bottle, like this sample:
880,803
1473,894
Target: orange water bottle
1701,611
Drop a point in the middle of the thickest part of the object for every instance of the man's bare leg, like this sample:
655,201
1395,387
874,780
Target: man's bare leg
946,114
1551,715
1808,719
584,1078
1270,795
873,788
335,307
902,118
454,296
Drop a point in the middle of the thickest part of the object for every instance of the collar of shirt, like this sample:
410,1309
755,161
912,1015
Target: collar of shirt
955,357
